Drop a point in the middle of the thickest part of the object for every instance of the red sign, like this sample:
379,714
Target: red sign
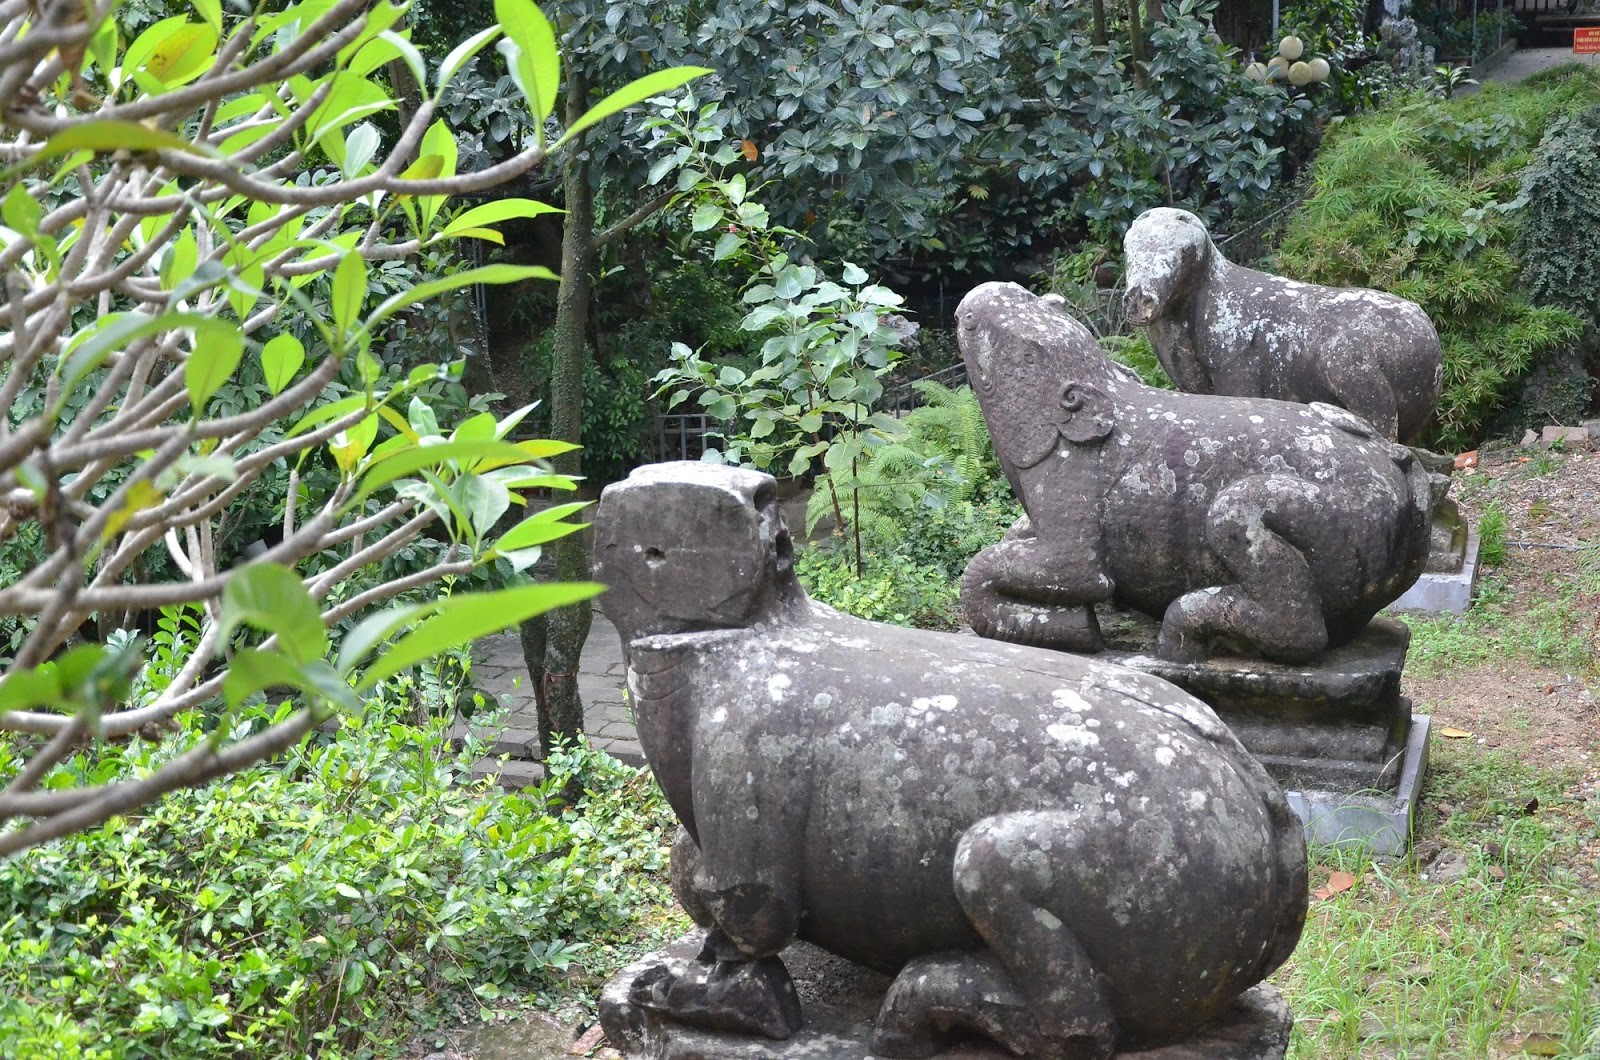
1586,40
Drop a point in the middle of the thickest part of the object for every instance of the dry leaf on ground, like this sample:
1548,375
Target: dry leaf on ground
1338,883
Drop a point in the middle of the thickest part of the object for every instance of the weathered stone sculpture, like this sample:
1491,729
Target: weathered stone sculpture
1220,328
1055,853
1240,523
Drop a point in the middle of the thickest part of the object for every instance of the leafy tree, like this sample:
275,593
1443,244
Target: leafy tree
881,130
179,208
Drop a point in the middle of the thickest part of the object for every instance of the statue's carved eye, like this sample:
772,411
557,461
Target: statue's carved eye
654,557
1071,400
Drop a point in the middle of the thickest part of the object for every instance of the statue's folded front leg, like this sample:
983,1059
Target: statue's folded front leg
736,983
1028,592
737,994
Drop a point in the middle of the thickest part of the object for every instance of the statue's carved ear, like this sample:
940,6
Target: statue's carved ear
1086,413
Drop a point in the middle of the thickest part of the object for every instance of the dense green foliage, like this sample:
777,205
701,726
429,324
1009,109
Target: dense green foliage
331,904
929,497
1561,215
1422,199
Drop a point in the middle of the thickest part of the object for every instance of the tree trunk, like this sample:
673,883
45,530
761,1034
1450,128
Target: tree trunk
1098,35
553,642
1136,53
1153,15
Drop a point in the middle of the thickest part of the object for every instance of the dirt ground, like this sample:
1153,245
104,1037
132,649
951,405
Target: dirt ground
1541,712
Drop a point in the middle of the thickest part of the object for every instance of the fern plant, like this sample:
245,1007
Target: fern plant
940,454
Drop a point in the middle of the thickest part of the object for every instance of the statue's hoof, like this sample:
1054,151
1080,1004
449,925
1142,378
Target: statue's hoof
1175,647
738,997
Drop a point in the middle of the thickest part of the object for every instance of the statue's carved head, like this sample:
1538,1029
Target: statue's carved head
1038,373
1167,253
686,547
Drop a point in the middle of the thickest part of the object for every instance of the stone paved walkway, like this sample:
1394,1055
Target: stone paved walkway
1525,62
499,671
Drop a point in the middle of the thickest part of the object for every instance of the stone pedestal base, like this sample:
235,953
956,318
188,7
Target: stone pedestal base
1337,733
1452,572
1444,591
840,1001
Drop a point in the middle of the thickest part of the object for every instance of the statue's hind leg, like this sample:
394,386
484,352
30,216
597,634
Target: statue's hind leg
1035,989
1274,606
1362,388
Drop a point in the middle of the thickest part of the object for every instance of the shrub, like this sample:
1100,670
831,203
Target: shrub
194,309
889,588
330,905
1135,351
1421,199
1560,190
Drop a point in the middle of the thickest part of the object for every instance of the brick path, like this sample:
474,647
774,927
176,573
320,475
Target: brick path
498,669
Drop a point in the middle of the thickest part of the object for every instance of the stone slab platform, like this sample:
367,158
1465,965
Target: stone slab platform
1340,723
1380,821
499,671
1444,591
840,1001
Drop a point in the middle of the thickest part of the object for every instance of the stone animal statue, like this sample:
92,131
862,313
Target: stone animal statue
1240,524
1220,328
1062,855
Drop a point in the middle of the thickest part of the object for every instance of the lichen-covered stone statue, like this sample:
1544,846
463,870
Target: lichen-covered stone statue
1220,328
1061,855
1241,524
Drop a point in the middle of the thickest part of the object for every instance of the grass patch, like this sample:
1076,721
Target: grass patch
1551,630
1502,958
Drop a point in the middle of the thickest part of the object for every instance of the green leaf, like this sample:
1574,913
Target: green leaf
541,527
26,689
422,419
359,146
484,501
90,347
169,53
634,92
218,346
323,413
374,630
534,60
495,212
102,137
486,274
355,973
211,11
707,216
475,429
462,619
530,536
21,211
478,455
251,670
281,358
462,53
349,291
180,262
182,55
271,597
409,53
103,45
727,246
